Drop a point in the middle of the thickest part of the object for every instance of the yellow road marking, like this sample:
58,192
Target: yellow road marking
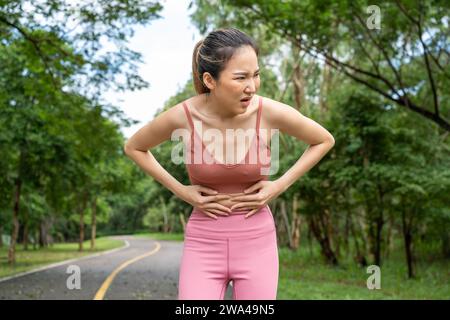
101,292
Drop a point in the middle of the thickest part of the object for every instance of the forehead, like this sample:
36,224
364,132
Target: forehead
244,59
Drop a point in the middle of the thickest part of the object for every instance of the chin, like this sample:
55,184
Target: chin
242,110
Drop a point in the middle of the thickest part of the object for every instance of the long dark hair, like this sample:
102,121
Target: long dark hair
212,54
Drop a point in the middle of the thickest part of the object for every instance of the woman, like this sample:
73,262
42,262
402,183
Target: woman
230,234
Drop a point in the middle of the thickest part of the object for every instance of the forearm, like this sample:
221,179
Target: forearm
147,162
309,159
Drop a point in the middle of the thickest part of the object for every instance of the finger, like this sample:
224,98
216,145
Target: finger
244,205
252,197
251,213
219,206
219,212
209,214
236,194
207,190
221,197
218,197
254,187
244,208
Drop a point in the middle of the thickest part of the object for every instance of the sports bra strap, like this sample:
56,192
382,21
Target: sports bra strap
258,118
188,114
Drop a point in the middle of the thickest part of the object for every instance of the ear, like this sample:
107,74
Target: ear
209,81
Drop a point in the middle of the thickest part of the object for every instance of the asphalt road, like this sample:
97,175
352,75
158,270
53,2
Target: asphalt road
145,270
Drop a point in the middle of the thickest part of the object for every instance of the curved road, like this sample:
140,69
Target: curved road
145,269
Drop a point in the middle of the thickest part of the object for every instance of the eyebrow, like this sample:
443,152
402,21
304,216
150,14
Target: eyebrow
242,72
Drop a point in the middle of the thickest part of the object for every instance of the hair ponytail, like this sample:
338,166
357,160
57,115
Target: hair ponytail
198,78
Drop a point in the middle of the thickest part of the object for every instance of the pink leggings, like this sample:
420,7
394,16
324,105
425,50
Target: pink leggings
229,248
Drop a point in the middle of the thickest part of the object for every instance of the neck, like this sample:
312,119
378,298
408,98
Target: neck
218,110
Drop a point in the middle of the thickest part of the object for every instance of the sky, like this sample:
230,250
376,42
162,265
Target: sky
166,45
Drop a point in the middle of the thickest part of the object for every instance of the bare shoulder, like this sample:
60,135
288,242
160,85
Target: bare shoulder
287,119
159,129
275,111
177,116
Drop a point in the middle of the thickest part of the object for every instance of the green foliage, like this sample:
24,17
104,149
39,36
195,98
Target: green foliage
303,276
62,154
371,88
381,93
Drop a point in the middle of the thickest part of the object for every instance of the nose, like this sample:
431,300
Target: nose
250,88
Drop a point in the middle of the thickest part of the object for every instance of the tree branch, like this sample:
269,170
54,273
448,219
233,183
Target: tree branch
35,45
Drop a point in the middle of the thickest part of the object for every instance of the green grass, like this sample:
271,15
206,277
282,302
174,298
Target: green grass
305,276
31,259
162,236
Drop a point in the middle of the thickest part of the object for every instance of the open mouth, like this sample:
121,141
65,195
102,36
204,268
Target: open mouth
246,99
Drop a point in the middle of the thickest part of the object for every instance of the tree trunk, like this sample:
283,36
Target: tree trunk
325,220
298,80
83,208
320,231
36,239
1,236
80,243
285,220
166,226
15,230
407,237
375,224
295,235
360,253
361,222
347,233
44,238
25,235
94,223
326,82
379,227
324,88
183,221
389,236
309,236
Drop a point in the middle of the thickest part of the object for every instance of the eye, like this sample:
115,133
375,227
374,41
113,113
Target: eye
242,78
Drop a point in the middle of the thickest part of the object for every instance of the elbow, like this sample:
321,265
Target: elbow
331,141
126,148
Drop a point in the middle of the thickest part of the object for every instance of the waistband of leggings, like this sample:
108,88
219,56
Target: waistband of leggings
232,226
233,212
218,236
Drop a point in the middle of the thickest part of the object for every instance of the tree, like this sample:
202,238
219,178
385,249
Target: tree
405,61
49,27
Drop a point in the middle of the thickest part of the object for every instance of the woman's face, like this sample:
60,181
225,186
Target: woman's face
239,79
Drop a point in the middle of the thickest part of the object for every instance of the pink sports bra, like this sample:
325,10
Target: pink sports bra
205,170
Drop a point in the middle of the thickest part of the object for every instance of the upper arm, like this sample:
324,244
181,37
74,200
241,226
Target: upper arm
157,130
289,120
